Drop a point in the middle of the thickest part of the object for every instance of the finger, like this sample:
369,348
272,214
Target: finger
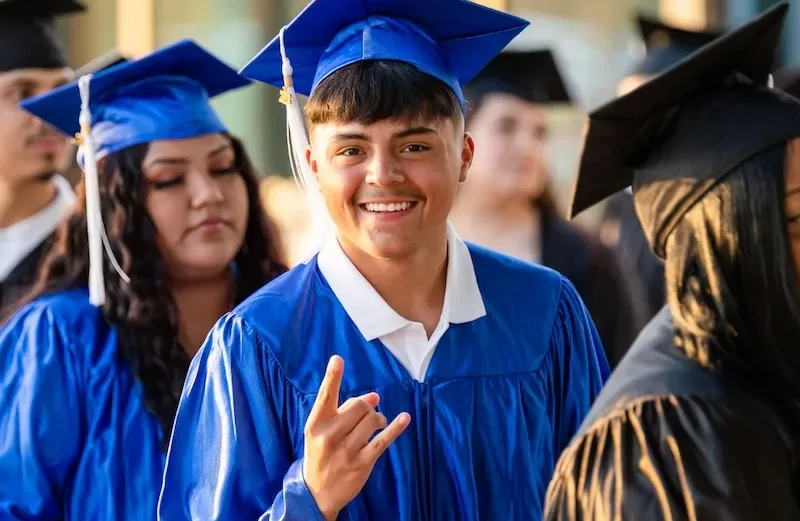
381,442
327,401
361,433
371,398
346,420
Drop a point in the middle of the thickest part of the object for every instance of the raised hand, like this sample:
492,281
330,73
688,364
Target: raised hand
339,455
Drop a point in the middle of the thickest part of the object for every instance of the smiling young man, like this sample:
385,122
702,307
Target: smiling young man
33,199
443,398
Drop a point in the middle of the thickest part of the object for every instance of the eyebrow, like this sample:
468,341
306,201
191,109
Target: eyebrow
181,160
411,131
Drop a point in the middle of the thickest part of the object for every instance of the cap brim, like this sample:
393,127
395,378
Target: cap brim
615,129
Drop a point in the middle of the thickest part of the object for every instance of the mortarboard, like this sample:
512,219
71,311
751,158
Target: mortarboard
666,45
165,95
101,63
529,75
28,38
450,40
676,136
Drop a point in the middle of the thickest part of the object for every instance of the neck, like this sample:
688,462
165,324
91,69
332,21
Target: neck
20,201
200,304
486,215
414,287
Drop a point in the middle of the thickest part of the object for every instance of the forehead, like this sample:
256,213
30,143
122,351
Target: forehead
384,128
499,104
185,148
44,78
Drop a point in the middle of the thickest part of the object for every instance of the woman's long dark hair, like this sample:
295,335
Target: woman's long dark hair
143,311
732,286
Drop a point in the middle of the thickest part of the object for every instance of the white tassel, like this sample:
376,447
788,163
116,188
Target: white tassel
94,218
297,141
770,81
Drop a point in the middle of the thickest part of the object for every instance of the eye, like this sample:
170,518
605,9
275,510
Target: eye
225,171
350,151
20,93
416,147
167,183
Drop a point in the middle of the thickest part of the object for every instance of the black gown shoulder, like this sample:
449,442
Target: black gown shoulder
668,440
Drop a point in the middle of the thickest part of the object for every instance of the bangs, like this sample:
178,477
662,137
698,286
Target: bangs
367,92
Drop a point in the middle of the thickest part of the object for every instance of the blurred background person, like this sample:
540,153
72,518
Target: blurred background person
507,203
665,45
33,198
89,392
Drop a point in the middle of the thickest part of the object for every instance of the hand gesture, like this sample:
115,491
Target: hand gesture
339,456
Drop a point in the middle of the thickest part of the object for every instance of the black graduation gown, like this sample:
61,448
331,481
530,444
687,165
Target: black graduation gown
668,440
619,221
614,300
22,277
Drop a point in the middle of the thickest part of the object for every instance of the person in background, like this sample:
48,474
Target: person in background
619,226
701,420
91,378
33,198
507,204
399,374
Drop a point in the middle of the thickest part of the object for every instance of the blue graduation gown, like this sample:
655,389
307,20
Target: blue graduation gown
502,397
75,439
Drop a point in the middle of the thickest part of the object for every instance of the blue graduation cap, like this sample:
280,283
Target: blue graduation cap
165,95
451,40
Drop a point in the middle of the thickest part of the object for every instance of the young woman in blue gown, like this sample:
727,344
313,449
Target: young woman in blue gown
89,392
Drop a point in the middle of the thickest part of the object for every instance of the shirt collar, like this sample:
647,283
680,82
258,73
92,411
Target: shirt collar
373,316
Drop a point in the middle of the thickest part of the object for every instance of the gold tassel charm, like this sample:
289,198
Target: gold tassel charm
285,97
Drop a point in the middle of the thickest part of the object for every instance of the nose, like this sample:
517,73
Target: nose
383,171
206,190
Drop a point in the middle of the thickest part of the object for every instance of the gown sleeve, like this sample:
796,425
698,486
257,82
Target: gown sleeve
229,458
580,366
676,459
40,415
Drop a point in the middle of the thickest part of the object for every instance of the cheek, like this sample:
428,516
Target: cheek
169,211
339,186
235,192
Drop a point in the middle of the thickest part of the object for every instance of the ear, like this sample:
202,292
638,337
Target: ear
311,161
467,153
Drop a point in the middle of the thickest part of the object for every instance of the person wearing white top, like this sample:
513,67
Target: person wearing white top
33,199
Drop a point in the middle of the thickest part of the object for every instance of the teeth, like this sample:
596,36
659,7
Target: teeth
391,207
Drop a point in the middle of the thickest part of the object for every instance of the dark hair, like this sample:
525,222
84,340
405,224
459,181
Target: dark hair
370,91
732,286
143,311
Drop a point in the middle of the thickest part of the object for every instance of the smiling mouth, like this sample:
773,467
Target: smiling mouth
388,207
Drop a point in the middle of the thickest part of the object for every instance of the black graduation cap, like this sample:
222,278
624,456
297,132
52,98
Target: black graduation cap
530,75
677,135
666,45
28,38
102,62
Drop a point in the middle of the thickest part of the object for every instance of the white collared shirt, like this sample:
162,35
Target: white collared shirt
20,239
375,319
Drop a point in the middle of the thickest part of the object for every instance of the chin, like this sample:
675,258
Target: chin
386,248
